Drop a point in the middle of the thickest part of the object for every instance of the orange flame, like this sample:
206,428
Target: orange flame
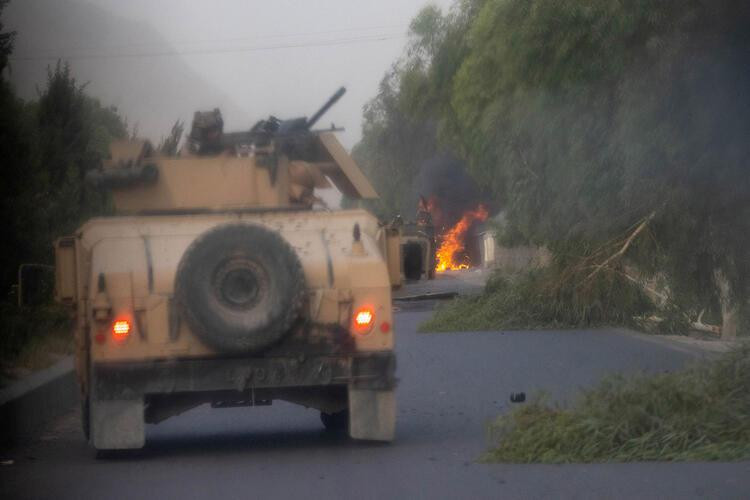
453,241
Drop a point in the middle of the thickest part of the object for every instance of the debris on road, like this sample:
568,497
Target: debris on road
517,397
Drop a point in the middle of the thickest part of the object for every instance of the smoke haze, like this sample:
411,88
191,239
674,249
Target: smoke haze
160,61
443,179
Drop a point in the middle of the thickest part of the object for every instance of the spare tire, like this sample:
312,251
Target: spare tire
239,287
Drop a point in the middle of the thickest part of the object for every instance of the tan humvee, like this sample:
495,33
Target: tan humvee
217,282
418,245
418,251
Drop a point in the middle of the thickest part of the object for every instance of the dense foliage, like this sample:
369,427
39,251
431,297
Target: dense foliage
6,41
46,146
543,298
401,125
584,117
594,114
695,414
32,337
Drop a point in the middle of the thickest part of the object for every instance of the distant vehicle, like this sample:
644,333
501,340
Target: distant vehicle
217,282
419,246
418,249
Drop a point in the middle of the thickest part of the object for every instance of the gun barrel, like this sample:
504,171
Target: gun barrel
334,98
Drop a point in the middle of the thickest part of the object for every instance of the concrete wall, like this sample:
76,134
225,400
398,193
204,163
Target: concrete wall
511,259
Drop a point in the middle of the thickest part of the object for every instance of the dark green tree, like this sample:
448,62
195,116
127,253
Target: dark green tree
6,41
585,119
73,136
47,146
15,151
403,123
590,116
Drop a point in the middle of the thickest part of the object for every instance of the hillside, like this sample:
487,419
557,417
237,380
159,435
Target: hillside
151,92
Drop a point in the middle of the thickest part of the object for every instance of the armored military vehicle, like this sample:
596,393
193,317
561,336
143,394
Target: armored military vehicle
418,245
218,281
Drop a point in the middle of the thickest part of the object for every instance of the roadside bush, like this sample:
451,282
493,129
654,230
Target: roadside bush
696,414
545,298
27,330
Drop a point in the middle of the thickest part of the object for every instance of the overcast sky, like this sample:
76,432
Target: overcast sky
161,60
334,43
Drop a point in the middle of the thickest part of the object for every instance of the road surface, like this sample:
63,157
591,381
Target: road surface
451,386
468,282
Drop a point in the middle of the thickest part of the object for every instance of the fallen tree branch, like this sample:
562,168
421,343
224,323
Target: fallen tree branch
695,325
648,289
699,325
623,249
702,327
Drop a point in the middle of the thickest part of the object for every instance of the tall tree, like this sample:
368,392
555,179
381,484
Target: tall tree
47,146
585,118
15,151
73,134
6,41
589,116
403,123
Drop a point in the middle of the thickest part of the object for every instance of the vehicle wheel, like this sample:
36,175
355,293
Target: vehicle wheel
335,422
240,287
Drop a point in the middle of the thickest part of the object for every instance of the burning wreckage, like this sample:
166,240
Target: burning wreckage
428,245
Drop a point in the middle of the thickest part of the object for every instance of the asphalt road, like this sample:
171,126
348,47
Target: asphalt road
469,282
451,385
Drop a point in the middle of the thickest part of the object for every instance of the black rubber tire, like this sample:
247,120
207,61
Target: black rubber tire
335,422
240,287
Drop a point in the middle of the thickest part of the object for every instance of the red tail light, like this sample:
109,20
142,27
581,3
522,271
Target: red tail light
364,318
121,329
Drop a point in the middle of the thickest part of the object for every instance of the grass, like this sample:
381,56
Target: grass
32,338
544,298
700,413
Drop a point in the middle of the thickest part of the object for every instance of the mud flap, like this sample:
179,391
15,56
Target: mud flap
117,424
372,414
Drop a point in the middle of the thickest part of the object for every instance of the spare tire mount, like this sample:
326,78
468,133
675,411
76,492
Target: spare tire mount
239,287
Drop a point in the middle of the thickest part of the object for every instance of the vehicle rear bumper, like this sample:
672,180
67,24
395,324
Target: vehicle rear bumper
128,380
